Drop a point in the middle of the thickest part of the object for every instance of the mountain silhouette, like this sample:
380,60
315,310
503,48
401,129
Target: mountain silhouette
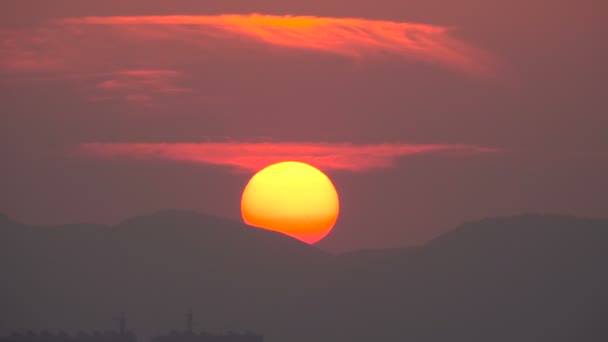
525,278
522,278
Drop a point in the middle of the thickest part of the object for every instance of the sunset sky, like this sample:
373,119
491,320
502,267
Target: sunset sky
425,114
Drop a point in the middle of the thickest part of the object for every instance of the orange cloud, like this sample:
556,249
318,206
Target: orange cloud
162,61
255,156
344,36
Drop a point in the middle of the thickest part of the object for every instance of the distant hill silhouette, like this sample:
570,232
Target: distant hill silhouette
6,222
523,278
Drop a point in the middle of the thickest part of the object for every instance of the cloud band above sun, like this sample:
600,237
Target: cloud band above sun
255,156
61,44
351,37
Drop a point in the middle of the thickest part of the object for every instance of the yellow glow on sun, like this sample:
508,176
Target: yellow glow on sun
293,198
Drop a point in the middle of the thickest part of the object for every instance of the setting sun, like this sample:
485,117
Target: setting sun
293,198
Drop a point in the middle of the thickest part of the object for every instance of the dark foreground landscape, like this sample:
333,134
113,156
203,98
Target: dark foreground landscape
525,278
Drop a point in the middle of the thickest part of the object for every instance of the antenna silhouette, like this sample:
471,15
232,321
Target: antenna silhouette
189,320
122,324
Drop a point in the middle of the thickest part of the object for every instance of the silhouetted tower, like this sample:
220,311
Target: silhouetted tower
122,324
189,320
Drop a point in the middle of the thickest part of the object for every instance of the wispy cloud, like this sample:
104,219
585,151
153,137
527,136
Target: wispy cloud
351,37
254,156
74,43
20,51
153,60
142,85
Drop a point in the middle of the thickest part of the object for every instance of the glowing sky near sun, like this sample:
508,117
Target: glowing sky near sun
425,114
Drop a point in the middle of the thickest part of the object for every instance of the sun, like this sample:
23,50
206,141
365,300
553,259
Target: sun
293,198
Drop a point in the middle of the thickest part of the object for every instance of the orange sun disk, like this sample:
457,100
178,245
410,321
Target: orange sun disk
293,198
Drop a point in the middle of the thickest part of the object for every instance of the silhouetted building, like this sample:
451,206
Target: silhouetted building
190,336
122,335
231,336
106,336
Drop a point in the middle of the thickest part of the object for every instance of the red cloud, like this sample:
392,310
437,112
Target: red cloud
344,36
255,156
